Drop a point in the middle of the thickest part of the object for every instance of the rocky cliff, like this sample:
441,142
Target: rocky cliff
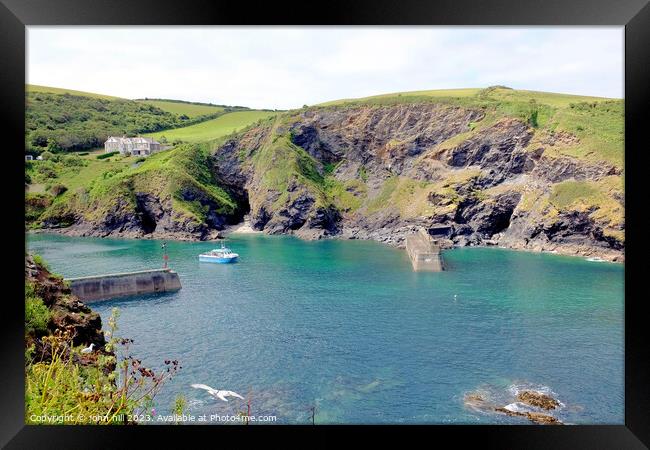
66,312
509,168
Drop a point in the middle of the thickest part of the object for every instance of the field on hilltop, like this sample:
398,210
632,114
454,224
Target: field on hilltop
215,128
59,119
61,91
186,108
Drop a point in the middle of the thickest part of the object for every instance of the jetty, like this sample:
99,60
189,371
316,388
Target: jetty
104,287
424,252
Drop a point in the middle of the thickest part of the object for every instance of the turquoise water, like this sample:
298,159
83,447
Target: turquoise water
347,327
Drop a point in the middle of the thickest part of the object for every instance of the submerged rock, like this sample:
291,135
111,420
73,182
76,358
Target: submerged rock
535,417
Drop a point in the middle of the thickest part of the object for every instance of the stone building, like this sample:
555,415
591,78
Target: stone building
136,146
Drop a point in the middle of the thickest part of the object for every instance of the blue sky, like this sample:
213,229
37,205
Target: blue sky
286,67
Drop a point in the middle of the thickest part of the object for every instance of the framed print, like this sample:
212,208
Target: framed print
420,217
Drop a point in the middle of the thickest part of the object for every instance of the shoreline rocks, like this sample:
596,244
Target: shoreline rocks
538,402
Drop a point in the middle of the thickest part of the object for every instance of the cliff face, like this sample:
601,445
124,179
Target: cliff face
66,311
468,176
501,168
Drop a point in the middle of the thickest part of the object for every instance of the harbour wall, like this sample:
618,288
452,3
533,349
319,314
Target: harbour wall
424,253
104,287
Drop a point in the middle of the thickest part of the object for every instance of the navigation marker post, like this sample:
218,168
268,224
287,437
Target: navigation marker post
165,257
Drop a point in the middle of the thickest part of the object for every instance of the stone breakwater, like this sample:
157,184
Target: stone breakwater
103,287
424,253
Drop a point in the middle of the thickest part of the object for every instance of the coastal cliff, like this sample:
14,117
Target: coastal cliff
64,311
509,168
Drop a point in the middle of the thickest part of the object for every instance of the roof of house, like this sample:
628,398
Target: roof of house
138,139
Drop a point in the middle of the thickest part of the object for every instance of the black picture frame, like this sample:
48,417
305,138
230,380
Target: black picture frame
15,15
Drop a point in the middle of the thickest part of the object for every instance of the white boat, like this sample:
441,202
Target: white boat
221,255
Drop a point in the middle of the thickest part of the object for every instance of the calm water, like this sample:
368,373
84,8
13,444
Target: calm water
348,327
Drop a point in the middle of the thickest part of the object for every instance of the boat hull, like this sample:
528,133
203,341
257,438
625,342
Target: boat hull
217,260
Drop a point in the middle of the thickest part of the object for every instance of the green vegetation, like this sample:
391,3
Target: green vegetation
567,193
184,108
72,171
37,315
106,155
176,175
67,392
60,91
67,120
382,199
35,205
438,93
597,122
215,128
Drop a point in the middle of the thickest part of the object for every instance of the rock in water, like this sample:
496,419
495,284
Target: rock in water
538,400
538,418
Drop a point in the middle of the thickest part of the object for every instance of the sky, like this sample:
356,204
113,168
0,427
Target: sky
288,67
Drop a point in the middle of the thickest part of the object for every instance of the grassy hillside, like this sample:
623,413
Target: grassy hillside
189,109
72,171
595,124
61,91
67,122
550,98
178,178
432,93
215,128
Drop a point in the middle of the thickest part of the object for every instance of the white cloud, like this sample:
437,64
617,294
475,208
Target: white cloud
286,67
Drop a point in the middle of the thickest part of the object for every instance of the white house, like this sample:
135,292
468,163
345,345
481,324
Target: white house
137,146
28,157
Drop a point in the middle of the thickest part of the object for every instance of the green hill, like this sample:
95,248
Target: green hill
596,122
189,109
61,91
59,119
215,128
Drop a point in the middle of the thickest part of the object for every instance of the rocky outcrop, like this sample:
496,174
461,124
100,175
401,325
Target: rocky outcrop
535,417
538,400
67,312
384,139
499,150
540,404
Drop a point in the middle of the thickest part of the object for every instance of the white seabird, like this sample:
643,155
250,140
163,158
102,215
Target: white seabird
216,393
88,349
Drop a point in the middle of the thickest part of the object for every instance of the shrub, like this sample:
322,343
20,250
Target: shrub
58,189
46,170
37,315
47,155
106,155
35,205
533,113
38,259
73,161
